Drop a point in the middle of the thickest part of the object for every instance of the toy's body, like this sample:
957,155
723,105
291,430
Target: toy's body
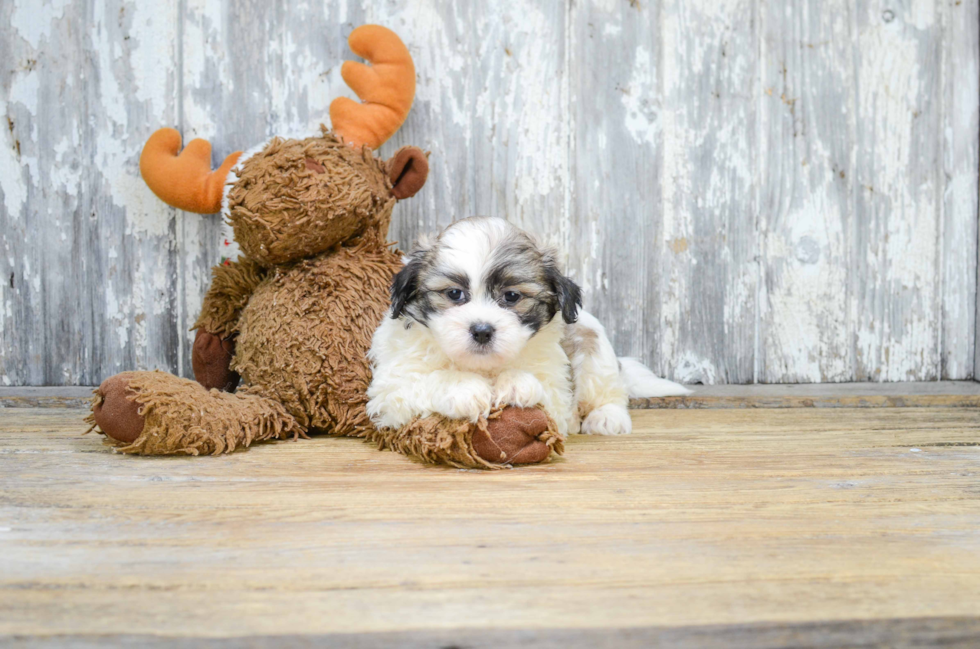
315,362
294,315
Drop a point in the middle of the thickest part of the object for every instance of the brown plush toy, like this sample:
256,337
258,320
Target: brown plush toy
293,317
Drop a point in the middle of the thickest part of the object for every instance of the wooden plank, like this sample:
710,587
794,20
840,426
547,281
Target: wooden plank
807,146
961,164
709,276
46,397
935,394
895,251
88,264
701,518
951,633
616,170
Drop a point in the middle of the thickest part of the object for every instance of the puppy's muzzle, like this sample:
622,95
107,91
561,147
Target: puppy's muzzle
482,333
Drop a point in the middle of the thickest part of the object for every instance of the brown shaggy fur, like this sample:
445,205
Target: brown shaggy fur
439,440
323,375
281,209
232,285
183,418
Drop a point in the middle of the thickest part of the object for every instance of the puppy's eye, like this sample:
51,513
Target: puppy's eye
455,294
512,297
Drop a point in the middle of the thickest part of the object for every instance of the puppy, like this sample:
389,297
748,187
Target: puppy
482,318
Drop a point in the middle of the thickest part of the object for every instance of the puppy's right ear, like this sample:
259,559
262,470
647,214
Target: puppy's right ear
405,285
569,298
567,293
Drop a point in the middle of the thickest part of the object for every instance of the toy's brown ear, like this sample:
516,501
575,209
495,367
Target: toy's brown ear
408,169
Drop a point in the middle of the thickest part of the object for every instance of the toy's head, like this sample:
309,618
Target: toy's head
293,198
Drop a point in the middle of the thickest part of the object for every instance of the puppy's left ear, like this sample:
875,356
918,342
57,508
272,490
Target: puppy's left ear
568,293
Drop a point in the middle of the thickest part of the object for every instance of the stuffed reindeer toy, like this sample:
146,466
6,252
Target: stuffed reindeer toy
292,318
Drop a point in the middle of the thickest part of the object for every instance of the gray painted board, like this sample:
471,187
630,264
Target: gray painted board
747,191
960,88
616,142
808,87
895,248
89,261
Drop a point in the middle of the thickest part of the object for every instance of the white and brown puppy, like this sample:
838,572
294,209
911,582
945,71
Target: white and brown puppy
482,317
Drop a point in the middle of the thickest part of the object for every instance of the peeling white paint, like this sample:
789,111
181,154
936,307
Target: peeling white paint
757,252
202,53
11,172
153,50
638,98
805,297
899,201
33,20
692,368
67,171
118,147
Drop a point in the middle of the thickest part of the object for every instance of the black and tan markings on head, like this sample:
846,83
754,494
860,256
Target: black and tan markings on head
512,272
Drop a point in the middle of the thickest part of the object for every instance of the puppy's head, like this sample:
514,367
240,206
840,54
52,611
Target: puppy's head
483,288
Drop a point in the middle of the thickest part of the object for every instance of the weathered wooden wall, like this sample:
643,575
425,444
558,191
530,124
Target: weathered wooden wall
747,190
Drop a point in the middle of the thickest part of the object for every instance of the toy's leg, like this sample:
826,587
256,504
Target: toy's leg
153,413
509,436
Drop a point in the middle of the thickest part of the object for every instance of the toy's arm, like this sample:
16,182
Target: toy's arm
231,287
507,437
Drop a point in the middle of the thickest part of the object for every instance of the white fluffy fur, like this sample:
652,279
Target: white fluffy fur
641,383
415,377
571,371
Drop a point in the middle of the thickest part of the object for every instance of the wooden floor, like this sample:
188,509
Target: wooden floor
762,527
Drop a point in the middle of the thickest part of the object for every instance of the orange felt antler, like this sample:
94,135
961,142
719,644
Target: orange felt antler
387,87
184,181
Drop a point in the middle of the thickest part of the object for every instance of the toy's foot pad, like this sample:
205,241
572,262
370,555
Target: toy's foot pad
117,413
512,437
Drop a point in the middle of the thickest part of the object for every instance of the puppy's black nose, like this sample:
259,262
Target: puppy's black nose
481,332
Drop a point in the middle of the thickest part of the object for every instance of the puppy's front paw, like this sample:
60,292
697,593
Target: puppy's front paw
609,419
517,388
467,398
